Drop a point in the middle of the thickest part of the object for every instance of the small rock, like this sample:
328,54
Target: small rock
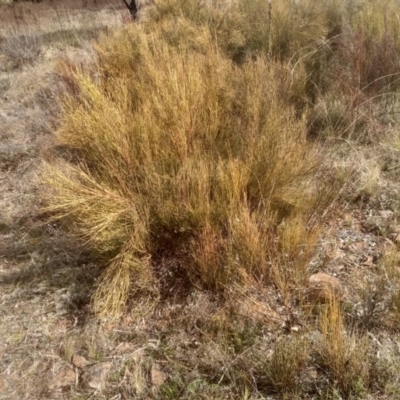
358,246
79,361
96,375
386,213
369,262
335,253
295,328
395,229
123,347
65,377
158,377
323,287
397,239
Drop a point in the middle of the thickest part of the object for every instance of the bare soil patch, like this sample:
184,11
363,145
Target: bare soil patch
25,18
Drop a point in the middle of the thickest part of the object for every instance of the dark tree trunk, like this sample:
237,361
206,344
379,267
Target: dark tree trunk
133,8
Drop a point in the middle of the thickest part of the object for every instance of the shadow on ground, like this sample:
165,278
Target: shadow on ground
41,258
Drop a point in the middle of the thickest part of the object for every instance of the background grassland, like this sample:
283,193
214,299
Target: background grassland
208,159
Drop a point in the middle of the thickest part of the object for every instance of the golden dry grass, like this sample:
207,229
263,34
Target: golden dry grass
343,354
182,154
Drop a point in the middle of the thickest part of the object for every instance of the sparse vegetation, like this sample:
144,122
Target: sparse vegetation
21,50
217,214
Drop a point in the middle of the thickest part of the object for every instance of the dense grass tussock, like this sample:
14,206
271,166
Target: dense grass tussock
189,139
183,155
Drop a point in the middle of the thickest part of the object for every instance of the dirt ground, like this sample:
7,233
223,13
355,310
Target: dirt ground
42,275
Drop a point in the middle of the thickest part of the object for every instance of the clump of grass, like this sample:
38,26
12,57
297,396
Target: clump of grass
68,348
245,27
287,365
376,47
22,49
135,369
182,155
299,35
390,275
342,355
360,77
